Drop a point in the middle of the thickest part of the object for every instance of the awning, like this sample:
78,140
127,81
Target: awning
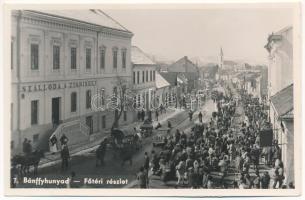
282,101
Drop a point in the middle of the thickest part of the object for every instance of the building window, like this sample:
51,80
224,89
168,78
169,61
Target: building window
114,99
115,58
34,56
138,77
12,54
150,75
134,77
101,100
56,56
73,58
88,99
139,100
143,76
35,138
124,59
103,121
146,76
134,104
12,118
102,58
115,91
125,115
73,101
88,58
154,75
34,112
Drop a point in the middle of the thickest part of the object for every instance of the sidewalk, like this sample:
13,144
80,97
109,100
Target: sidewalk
82,148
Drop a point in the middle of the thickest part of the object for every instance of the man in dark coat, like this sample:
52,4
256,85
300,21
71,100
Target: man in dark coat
28,147
24,145
100,152
265,180
65,156
142,178
191,115
200,117
139,115
157,114
146,163
63,139
143,114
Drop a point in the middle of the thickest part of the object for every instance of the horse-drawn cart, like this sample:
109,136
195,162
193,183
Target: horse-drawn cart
146,128
124,145
160,138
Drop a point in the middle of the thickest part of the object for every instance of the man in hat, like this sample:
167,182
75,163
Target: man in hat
200,117
24,145
65,156
28,147
63,139
142,178
100,152
265,180
223,168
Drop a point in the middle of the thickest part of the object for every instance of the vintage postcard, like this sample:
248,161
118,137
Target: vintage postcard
153,99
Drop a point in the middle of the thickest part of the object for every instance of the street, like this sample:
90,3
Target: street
85,165
161,98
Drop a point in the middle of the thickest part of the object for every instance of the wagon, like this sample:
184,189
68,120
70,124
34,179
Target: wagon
146,128
160,138
130,140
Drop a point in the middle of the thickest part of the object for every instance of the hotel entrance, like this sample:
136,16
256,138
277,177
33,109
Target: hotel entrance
89,123
56,110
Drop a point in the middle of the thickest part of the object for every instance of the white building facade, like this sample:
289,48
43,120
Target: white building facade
280,93
60,61
280,68
144,78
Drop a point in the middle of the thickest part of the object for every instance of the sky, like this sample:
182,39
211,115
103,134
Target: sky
171,34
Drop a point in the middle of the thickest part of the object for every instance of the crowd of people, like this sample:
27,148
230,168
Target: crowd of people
223,147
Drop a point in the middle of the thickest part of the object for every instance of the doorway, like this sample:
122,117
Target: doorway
147,101
89,123
56,110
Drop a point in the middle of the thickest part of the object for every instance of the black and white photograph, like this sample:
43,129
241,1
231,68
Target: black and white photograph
187,98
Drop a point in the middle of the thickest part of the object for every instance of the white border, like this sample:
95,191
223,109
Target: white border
18,4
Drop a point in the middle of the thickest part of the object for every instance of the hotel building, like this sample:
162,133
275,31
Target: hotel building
60,60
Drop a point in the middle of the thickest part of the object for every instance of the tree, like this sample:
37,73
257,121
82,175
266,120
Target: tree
122,99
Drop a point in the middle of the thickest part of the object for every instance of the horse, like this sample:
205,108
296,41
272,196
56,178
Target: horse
26,161
100,154
126,154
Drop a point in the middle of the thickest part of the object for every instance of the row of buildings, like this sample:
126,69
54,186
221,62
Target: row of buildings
273,86
67,65
281,95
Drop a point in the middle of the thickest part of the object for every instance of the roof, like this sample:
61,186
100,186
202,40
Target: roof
252,76
138,57
264,81
170,77
289,126
229,62
96,17
288,115
181,79
282,101
277,36
160,81
283,30
248,76
183,65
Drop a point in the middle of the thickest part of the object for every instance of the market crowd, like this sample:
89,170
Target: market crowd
212,152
